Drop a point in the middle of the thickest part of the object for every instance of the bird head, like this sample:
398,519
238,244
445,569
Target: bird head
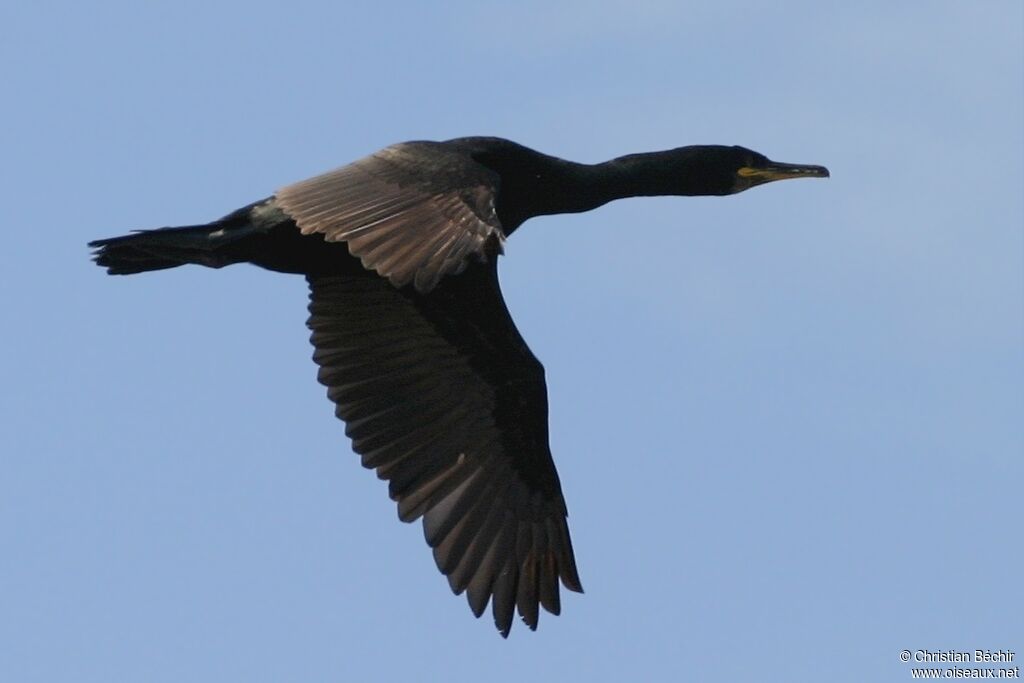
746,168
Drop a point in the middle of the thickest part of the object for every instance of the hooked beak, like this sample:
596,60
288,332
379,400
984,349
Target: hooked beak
776,170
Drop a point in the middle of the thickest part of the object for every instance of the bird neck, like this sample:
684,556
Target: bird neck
582,187
534,184
680,171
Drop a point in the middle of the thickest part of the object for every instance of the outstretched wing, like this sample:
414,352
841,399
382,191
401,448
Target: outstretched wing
413,212
444,399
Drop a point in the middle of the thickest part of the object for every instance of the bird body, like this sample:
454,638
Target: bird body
439,392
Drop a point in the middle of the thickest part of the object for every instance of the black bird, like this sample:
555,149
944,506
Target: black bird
439,392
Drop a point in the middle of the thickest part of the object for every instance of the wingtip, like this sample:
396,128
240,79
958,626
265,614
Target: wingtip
532,625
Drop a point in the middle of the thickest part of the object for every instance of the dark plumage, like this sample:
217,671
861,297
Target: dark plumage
439,392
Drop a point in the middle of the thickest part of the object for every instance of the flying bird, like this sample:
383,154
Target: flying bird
439,392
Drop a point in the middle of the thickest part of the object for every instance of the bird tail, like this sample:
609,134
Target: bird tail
207,245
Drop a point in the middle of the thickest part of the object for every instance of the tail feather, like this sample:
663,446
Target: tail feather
163,248
260,234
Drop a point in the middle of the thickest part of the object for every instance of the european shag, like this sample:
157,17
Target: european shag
439,392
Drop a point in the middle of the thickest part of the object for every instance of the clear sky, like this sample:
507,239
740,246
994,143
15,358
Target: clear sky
789,424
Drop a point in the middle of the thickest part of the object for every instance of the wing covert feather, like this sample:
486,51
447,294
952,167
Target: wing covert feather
413,212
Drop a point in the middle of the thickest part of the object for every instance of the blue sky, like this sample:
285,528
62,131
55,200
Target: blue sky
788,423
